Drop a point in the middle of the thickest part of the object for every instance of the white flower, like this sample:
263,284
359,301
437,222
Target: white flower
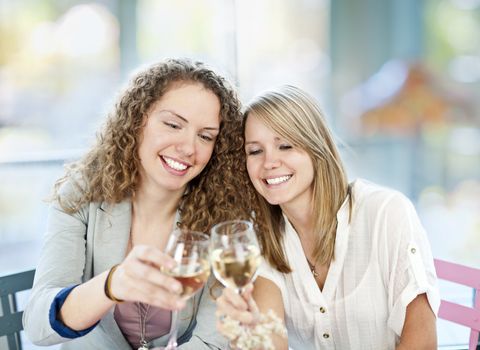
256,337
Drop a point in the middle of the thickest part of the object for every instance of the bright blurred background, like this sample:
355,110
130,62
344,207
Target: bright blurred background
399,80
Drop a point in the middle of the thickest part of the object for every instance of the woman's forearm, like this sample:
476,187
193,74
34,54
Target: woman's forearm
419,330
86,304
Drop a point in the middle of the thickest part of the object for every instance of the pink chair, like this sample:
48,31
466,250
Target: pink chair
466,316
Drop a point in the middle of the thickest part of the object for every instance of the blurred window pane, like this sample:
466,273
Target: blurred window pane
283,42
188,28
56,73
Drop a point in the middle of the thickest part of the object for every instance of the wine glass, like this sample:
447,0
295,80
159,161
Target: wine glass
235,253
190,250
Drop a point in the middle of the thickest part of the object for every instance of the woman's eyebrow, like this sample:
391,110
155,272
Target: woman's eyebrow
250,142
213,128
175,114
276,139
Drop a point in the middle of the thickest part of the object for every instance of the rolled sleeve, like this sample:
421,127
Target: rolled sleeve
56,324
414,283
412,271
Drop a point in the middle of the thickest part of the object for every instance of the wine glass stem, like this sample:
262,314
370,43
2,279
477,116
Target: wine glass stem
172,341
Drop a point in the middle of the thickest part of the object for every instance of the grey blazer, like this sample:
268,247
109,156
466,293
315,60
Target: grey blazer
80,246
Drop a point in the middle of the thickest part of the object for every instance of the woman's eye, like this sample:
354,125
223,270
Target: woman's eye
253,152
285,146
206,137
172,125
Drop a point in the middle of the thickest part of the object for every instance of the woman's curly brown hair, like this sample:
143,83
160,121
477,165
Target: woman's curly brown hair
109,172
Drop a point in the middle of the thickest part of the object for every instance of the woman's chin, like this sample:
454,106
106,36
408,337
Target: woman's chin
274,201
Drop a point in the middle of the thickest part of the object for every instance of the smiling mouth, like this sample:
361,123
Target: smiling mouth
277,180
178,166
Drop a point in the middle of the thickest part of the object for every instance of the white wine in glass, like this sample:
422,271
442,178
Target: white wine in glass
192,276
190,250
235,253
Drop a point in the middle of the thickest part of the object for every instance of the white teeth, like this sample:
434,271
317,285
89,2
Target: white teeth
278,180
175,165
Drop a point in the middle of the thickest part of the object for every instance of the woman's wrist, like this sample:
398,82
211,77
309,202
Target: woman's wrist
107,287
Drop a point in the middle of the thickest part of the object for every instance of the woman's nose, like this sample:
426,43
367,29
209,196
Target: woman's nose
186,145
272,160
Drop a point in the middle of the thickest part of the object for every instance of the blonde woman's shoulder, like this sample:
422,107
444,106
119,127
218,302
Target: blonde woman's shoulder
372,195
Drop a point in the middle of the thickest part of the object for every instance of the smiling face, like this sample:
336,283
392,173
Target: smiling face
178,137
281,173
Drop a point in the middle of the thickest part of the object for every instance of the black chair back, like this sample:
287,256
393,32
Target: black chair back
11,317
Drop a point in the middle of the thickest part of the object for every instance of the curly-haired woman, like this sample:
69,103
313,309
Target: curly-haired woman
165,157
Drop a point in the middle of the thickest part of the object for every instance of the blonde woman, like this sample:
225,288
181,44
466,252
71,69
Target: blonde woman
165,157
347,266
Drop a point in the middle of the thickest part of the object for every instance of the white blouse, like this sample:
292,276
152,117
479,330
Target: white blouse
382,262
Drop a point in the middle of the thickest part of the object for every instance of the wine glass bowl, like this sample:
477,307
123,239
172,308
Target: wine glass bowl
235,253
191,279
190,250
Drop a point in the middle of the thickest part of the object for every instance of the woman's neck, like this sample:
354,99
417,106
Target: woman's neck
151,202
153,217
302,219
150,207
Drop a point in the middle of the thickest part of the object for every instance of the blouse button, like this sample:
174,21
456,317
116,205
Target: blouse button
413,250
322,310
326,335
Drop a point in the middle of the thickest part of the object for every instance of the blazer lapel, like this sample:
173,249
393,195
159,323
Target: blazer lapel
112,231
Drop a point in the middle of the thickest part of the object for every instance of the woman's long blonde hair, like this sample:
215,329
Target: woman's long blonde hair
295,116
109,172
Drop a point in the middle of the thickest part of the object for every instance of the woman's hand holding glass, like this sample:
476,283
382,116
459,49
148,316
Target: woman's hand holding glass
239,307
235,258
190,252
141,277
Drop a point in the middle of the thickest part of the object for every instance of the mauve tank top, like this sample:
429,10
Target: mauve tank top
127,316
